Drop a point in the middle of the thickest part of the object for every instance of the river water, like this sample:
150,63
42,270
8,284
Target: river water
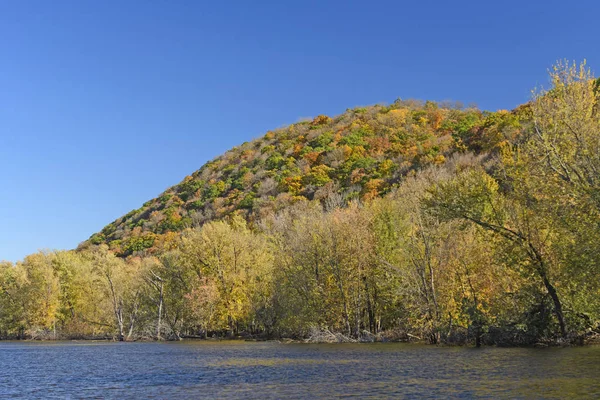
196,369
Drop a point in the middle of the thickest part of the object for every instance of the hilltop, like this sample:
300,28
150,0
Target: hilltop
361,154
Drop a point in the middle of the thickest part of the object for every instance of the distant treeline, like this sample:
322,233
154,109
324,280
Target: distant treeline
492,247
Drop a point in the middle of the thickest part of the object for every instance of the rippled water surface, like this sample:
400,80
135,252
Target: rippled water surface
272,370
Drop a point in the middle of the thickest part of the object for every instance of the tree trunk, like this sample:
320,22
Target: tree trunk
117,307
160,307
557,304
158,284
551,291
133,316
370,313
120,323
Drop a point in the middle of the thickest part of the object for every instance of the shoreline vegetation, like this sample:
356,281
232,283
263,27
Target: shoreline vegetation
317,336
418,222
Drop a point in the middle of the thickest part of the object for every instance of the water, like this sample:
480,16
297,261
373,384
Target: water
271,370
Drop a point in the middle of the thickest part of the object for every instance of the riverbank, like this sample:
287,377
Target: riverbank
324,337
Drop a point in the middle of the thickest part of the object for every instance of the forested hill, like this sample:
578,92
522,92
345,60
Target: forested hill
362,153
471,227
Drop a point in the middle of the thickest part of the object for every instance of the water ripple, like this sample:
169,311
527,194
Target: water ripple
271,370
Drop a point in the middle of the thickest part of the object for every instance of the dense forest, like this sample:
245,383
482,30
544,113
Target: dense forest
414,221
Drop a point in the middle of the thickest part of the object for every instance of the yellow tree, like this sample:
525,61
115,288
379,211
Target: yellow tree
474,196
13,305
80,295
122,284
564,142
238,261
42,292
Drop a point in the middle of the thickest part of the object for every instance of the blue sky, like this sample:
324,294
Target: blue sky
105,104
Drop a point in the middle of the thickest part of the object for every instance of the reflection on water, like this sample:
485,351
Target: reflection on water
271,370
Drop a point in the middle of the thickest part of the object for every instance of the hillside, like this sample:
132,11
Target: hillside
362,153
411,221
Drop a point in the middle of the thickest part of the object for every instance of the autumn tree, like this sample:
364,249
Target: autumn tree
122,289
239,263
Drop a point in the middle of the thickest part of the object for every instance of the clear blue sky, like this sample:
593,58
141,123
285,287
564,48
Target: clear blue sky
104,104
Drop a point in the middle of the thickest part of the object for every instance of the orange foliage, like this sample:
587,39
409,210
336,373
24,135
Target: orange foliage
321,120
357,175
338,136
166,241
312,156
436,117
378,145
269,135
372,188
297,149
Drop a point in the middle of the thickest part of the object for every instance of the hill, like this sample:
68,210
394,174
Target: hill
411,221
360,154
